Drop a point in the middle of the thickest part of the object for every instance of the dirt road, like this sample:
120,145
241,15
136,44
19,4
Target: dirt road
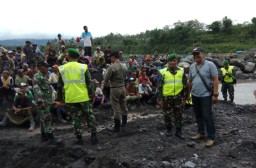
142,144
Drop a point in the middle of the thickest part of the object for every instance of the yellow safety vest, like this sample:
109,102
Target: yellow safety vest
172,83
227,79
73,78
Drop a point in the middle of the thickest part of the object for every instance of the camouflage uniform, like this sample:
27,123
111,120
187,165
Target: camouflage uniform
173,104
43,94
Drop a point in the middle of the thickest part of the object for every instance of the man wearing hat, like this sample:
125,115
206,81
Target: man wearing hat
6,63
228,81
116,74
98,57
173,91
75,78
60,41
43,96
203,85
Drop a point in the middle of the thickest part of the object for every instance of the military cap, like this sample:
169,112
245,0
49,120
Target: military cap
73,51
42,63
225,62
171,56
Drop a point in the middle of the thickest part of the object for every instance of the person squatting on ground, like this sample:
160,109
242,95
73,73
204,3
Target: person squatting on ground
228,81
116,74
173,86
75,78
22,111
202,97
43,96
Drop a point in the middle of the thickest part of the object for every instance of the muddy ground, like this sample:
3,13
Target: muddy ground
141,144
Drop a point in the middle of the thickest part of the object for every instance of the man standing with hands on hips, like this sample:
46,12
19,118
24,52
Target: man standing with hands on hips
203,84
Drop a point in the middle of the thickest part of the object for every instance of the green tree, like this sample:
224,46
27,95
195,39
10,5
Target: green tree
215,27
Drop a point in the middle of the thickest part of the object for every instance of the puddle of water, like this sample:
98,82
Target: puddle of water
243,93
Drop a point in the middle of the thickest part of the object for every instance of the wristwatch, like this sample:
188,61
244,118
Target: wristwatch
216,94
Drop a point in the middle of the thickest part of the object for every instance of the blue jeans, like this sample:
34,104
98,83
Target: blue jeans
203,113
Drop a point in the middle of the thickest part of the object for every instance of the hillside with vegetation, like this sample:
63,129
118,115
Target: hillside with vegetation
219,37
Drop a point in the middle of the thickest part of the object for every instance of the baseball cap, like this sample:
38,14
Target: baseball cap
10,52
197,50
34,44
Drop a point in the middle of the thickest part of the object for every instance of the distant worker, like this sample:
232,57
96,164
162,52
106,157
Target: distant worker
228,81
76,78
60,41
116,74
174,91
88,41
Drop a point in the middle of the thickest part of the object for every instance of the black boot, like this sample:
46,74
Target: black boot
80,140
116,127
94,139
179,135
44,137
124,120
169,132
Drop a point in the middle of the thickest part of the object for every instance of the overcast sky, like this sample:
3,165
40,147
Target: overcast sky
47,18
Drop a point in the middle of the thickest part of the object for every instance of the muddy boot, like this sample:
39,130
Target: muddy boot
169,132
60,117
32,124
44,137
124,121
80,140
3,123
116,127
179,135
225,99
94,139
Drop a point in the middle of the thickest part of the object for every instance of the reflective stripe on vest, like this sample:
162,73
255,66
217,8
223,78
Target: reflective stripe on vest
65,81
172,83
73,78
227,79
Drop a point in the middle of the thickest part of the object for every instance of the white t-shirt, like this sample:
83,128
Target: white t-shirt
54,78
98,92
87,39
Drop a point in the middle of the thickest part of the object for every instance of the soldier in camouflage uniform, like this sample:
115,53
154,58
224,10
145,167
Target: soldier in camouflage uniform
43,96
75,78
173,91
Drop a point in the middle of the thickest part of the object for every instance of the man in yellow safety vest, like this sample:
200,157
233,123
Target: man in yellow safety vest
228,80
173,90
76,78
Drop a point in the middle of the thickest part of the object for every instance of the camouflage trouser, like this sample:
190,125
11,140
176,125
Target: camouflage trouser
79,110
228,87
45,119
172,104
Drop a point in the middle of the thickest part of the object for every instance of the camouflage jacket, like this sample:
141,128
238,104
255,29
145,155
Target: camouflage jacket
42,88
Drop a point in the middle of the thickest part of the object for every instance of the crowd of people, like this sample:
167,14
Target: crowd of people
62,81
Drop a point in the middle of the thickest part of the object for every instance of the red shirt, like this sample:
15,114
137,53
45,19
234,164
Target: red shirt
141,79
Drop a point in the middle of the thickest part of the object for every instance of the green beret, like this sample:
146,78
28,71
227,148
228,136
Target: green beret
74,51
225,62
171,56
